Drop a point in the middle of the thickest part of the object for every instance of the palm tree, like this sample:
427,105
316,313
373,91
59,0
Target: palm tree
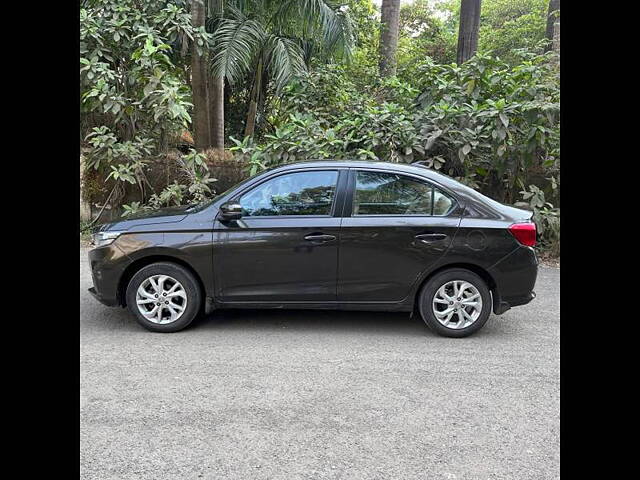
274,41
216,90
389,29
201,124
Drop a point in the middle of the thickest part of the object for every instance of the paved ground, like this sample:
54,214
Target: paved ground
290,394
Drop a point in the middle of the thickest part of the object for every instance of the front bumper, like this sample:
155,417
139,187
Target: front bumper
107,265
109,302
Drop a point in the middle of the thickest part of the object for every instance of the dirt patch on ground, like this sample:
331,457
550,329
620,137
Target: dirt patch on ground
549,260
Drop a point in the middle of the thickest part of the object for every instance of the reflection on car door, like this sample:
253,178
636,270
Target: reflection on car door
285,247
395,226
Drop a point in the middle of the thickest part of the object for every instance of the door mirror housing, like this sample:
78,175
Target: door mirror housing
231,211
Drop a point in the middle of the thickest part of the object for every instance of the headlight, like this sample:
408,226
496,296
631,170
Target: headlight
100,239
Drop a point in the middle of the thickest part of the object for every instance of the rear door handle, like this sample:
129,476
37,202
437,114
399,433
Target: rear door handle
431,237
319,237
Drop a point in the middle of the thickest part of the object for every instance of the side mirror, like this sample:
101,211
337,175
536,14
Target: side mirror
231,211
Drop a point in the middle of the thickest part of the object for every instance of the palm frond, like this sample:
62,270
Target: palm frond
309,49
284,60
338,36
235,43
305,15
318,18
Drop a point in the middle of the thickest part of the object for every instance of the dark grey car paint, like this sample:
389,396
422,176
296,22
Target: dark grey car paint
374,262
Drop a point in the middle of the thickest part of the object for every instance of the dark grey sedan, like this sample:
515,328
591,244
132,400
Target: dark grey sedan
324,235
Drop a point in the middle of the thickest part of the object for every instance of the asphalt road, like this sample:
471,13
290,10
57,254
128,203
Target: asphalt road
335,395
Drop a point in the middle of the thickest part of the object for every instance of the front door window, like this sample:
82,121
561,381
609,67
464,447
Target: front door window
300,193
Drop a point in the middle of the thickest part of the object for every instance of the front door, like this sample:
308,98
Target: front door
398,226
285,246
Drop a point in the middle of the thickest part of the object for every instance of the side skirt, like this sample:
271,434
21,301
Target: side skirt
370,306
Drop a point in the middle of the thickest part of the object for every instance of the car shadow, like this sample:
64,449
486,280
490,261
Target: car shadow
105,319
316,321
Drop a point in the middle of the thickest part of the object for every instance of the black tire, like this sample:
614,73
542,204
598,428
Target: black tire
182,275
429,290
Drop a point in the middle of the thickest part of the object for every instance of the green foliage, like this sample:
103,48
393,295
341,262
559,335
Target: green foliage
134,97
423,33
131,53
128,163
344,124
261,46
364,60
192,187
505,25
491,120
547,218
107,149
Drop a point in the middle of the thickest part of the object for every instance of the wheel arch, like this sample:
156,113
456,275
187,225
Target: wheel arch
140,263
477,269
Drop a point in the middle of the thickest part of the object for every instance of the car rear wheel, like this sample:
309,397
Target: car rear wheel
163,297
455,303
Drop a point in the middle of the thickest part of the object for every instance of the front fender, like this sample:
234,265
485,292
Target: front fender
192,248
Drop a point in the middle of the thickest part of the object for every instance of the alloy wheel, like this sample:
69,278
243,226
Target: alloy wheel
457,304
161,299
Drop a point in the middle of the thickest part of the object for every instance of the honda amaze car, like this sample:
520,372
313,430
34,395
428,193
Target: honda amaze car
341,235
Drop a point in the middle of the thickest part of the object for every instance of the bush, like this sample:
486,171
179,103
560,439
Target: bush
494,124
128,170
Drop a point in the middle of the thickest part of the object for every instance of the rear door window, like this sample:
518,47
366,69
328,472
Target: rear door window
385,193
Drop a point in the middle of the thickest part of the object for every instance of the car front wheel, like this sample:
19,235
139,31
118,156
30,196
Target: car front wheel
455,303
163,297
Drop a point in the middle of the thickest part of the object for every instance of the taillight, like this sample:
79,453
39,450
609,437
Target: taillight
525,233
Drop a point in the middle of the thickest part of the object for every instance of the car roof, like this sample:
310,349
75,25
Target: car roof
343,163
398,167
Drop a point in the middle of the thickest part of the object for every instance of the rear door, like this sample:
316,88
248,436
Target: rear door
395,226
285,246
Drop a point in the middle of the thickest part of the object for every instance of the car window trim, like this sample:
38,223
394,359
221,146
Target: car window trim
333,210
348,207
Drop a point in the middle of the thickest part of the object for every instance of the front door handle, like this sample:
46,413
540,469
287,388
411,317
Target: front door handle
431,237
319,238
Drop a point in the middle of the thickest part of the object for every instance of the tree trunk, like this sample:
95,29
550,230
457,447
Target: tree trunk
216,93
253,102
85,206
554,6
390,16
199,83
468,32
216,111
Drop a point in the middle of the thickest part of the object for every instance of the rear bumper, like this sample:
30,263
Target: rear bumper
502,306
515,276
